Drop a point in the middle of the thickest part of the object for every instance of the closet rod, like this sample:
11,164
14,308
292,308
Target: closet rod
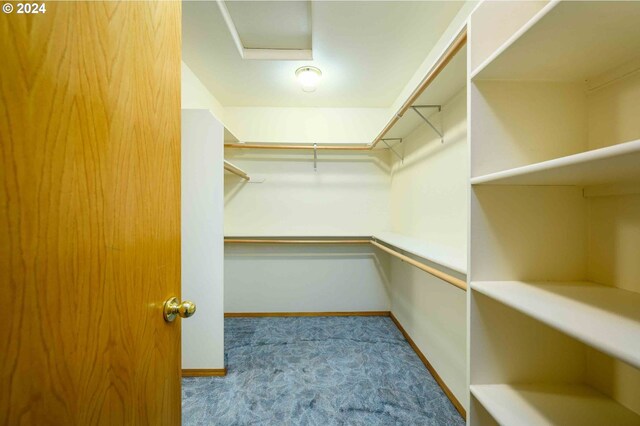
457,282
433,271
274,241
308,147
442,62
235,170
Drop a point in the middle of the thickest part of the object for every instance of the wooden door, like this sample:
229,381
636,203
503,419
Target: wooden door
90,214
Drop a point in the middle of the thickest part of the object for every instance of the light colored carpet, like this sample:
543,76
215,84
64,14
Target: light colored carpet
317,371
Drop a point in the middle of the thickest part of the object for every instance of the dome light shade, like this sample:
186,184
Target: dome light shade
309,77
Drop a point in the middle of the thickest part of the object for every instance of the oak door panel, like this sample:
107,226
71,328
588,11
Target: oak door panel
90,213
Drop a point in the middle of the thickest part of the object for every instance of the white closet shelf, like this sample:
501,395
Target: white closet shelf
567,41
606,318
437,254
616,163
552,405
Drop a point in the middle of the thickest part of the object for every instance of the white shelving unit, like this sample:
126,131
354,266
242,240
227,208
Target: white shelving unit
554,298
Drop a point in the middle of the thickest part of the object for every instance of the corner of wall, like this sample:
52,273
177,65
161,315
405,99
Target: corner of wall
195,95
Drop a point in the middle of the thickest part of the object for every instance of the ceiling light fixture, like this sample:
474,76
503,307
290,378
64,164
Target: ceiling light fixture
309,77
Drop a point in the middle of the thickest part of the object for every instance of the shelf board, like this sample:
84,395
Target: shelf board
567,41
616,163
552,405
437,254
606,318
449,83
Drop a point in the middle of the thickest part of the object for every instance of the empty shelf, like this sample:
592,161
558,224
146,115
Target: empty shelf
606,318
616,163
552,405
567,41
441,255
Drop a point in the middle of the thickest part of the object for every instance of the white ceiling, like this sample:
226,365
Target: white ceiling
271,24
367,50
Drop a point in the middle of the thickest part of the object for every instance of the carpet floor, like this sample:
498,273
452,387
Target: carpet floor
317,371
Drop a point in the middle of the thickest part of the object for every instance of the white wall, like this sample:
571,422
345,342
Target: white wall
429,202
307,125
429,189
196,96
347,195
434,314
202,239
305,278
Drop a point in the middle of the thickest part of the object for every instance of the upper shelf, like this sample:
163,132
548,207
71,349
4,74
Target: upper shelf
606,318
451,80
431,252
616,163
567,41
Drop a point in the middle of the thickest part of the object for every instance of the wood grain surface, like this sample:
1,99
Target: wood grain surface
204,372
90,214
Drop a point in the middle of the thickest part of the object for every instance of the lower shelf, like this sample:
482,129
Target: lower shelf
551,405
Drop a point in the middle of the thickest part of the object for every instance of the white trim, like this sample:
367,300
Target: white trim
232,28
278,54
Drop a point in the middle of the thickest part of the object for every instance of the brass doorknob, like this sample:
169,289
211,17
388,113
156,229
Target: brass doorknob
173,308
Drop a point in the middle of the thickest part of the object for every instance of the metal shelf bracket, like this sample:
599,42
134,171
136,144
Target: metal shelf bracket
386,142
440,132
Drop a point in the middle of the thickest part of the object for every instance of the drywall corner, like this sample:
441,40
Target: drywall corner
196,96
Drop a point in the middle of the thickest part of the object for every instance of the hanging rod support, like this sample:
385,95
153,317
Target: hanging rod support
439,107
385,141
315,157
